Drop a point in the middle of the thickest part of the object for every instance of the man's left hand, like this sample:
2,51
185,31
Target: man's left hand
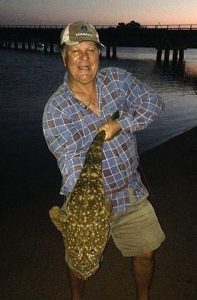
111,128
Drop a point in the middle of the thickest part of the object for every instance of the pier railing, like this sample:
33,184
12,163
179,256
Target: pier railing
157,26
172,27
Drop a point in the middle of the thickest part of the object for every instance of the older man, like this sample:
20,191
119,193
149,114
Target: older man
74,114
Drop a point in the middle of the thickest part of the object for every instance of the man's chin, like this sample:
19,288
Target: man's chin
86,79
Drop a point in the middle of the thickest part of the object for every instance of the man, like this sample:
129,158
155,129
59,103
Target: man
75,113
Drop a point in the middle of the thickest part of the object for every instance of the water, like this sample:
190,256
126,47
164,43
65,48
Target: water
27,80
177,84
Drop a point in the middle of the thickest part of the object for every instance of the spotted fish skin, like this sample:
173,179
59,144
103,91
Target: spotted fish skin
84,219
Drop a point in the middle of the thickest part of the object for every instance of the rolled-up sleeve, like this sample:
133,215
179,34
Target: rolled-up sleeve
143,105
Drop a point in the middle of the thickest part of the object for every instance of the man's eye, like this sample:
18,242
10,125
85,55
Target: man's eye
92,50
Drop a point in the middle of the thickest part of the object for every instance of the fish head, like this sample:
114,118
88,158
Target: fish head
85,246
84,262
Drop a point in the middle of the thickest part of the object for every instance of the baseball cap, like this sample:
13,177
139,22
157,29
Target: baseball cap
77,32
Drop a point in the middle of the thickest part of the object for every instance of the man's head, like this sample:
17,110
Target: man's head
80,51
77,32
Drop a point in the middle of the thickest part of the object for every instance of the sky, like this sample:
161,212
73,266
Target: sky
98,12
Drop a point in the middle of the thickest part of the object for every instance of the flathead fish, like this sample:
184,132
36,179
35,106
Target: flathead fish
84,220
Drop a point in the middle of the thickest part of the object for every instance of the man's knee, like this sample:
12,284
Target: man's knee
146,257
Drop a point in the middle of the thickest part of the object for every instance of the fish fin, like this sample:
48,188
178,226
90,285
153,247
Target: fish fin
55,215
108,206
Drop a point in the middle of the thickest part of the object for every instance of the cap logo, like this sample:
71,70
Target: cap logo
84,29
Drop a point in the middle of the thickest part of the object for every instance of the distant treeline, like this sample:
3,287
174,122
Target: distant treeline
122,27
129,25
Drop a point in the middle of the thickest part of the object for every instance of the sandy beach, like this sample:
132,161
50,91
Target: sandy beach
32,253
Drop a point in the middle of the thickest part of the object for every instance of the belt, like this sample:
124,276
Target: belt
116,190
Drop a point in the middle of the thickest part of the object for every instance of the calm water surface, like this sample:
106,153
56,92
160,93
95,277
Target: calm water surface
28,79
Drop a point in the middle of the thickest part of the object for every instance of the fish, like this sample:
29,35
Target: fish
84,219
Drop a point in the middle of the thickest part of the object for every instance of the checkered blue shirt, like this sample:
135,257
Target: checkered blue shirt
69,128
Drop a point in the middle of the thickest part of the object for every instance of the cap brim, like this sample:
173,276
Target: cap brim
101,45
72,43
69,43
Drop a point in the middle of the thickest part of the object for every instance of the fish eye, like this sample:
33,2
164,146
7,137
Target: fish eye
92,251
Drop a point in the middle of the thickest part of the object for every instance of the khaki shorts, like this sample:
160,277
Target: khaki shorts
137,231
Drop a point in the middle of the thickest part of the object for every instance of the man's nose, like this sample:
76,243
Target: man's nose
84,55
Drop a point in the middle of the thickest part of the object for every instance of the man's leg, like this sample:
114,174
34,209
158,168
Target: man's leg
143,272
77,286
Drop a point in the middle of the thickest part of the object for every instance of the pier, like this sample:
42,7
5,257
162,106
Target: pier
166,39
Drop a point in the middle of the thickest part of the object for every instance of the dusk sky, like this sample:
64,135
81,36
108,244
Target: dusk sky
97,12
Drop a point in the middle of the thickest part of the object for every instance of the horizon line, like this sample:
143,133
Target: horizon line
107,25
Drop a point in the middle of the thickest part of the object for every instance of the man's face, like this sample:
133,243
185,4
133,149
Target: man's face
82,62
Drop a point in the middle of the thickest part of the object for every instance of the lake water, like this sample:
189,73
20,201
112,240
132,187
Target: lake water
27,80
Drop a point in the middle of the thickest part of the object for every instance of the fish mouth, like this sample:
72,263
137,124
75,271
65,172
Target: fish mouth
85,275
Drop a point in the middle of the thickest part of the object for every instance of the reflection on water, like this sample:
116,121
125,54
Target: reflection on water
177,84
28,79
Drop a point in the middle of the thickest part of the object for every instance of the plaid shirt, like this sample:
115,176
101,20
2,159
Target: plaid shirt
69,128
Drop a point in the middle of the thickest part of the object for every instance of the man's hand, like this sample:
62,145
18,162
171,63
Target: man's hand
111,128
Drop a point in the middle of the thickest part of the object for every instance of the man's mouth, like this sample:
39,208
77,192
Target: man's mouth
84,68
